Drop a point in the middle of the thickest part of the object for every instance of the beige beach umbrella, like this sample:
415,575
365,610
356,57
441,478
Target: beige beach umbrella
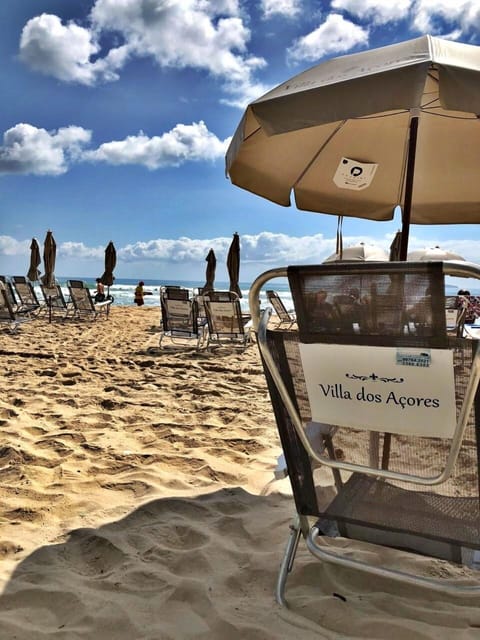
364,133
233,265
210,271
395,247
433,253
110,263
35,260
49,257
360,253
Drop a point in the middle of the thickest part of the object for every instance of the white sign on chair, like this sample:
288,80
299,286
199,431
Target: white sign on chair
407,391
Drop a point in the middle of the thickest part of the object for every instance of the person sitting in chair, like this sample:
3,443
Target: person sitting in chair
100,292
463,302
322,312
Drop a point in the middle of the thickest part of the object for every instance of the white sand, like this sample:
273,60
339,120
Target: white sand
137,503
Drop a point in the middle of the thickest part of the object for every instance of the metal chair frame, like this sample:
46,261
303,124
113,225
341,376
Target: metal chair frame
301,525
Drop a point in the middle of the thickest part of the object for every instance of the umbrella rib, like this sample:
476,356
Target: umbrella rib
315,156
259,128
444,115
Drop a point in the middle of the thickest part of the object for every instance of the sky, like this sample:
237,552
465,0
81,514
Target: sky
116,115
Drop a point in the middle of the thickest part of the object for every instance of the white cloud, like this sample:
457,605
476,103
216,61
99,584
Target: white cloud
266,250
185,33
335,35
11,247
65,51
27,149
186,256
181,144
79,250
179,250
287,8
198,34
464,15
378,11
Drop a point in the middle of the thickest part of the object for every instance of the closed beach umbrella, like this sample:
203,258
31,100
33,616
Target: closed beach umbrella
364,133
110,262
434,253
35,260
210,271
49,255
396,246
360,253
233,264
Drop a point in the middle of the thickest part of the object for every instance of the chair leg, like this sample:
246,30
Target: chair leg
287,561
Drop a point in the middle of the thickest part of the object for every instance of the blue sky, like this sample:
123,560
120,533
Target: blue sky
116,115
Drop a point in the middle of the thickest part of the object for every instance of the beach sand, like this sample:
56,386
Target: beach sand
137,501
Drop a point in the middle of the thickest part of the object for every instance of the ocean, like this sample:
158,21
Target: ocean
123,290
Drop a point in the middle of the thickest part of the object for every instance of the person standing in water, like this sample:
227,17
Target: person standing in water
140,293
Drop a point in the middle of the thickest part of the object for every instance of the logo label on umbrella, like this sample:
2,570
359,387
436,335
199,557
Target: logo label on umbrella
351,174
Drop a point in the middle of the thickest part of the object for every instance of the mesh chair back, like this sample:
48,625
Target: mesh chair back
171,292
278,306
76,284
180,317
224,315
6,310
26,293
54,297
9,291
81,298
366,306
222,296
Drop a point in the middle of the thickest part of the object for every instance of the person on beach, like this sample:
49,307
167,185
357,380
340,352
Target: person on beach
100,292
464,301
140,293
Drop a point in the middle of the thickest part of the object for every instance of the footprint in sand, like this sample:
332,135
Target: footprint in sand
9,548
184,537
138,488
35,431
23,514
90,554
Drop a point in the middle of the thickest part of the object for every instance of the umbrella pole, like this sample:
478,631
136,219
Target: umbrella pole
407,208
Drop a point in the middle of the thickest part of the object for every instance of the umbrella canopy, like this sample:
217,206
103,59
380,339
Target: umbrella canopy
35,260
434,253
49,255
110,262
210,272
361,252
361,134
233,264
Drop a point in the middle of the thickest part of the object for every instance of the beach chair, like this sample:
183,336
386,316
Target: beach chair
10,292
454,316
180,320
284,316
28,301
391,414
83,303
200,301
8,315
55,301
227,325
